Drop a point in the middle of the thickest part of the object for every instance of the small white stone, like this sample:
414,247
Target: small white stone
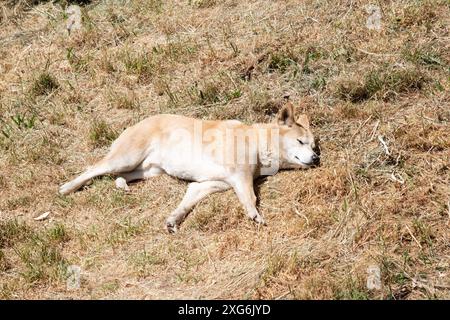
74,18
373,277
42,216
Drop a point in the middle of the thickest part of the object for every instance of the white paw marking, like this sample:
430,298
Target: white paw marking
121,183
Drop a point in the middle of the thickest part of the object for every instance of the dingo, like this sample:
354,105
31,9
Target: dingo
215,155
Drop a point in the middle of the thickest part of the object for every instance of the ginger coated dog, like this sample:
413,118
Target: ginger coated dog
214,155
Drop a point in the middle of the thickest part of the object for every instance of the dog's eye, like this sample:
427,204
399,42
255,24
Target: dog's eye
300,141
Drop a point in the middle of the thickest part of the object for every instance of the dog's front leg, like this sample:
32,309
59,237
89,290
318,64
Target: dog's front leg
195,193
243,186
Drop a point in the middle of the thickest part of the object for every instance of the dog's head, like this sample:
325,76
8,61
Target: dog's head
297,142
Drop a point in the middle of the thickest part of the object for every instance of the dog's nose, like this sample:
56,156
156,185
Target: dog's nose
315,159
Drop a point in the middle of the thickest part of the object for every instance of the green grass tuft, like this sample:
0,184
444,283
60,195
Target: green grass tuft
101,134
382,84
44,84
12,231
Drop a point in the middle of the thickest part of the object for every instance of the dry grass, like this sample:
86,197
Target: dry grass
64,98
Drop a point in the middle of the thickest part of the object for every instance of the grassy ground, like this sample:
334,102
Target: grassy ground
63,98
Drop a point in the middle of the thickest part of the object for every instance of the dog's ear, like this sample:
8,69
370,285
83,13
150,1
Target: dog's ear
286,115
303,121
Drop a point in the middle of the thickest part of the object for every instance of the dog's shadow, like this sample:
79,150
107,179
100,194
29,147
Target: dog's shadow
257,184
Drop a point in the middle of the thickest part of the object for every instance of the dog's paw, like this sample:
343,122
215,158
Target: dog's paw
171,226
260,220
121,183
64,189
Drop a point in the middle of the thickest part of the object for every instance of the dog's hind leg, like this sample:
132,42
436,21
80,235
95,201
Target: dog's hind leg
99,169
111,164
195,193
138,174
127,152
